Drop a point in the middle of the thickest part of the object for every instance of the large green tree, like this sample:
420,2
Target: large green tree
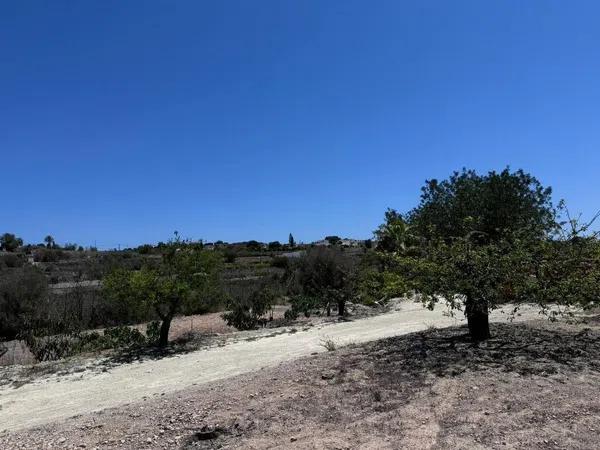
487,239
492,206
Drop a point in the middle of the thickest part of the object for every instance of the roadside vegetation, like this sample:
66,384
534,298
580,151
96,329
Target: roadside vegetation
474,242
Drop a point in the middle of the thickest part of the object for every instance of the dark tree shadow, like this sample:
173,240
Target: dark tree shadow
513,348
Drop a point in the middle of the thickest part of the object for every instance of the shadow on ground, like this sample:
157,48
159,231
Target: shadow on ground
513,348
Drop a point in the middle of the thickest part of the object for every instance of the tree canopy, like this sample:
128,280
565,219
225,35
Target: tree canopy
323,277
491,206
476,241
9,242
184,278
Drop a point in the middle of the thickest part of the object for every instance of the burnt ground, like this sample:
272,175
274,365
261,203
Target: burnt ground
531,386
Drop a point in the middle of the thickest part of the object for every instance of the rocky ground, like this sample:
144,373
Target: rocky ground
533,385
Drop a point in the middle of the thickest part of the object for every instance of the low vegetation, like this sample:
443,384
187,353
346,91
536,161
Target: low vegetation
473,241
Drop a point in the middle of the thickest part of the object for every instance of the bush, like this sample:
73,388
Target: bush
49,255
274,246
246,314
229,256
12,260
145,249
153,332
22,293
124,336
290,314
301,304
323,277
374,286
50,348
281,262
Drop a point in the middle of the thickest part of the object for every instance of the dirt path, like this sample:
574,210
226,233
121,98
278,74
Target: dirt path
57,398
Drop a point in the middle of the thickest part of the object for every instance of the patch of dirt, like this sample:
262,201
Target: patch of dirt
533,386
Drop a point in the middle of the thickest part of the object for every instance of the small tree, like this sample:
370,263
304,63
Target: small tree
333,240
22,294
230,255
291,241
324,276
185,276
395,235
49,240
275,245
9,242
246,313
254,246
70,246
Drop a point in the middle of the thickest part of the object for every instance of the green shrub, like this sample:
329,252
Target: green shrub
290,314
302,304
229,256
49,255
153,332
124,336
50,348
281,262
377,285
22,295
13,260
246,313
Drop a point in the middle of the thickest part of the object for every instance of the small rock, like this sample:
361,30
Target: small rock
293,439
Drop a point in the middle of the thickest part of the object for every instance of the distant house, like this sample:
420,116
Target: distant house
352,243
344,243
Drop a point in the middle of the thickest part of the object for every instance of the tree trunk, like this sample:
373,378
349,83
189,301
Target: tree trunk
477,320
341,307
163,339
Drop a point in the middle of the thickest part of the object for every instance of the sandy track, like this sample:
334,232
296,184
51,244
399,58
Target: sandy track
57,398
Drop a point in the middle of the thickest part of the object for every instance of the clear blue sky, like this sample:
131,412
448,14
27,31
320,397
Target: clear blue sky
121,121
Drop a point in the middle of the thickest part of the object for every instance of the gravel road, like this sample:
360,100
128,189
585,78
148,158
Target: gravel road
57,398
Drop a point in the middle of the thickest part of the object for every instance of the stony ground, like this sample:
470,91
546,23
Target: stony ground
532,386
